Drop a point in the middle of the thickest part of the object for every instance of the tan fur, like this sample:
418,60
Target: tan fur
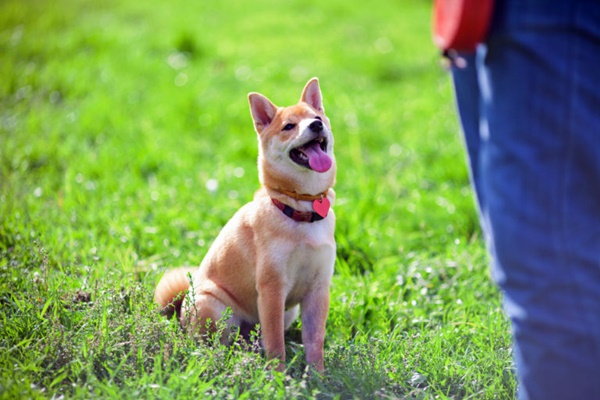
264,265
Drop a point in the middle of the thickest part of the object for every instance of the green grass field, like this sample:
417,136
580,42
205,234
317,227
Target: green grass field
125,145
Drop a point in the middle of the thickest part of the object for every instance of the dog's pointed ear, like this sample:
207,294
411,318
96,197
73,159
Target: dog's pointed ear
312,95
262,110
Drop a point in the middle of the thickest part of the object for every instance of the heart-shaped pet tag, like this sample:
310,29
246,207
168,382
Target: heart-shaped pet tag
321,206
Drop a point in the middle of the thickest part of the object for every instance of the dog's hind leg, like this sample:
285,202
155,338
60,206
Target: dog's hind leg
201,315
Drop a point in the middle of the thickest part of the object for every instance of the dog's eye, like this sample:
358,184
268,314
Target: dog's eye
289,127
319,118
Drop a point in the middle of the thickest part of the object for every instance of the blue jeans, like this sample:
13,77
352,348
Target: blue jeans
529,105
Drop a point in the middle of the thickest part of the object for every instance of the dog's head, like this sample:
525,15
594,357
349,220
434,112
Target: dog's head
295,143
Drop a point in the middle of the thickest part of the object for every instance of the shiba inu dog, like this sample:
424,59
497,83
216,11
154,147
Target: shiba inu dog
275,256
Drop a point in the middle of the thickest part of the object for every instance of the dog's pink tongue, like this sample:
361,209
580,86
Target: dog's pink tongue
317,158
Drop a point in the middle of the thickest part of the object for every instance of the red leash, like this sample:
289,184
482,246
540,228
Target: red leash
460,24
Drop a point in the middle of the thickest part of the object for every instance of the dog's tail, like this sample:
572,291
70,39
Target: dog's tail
171,289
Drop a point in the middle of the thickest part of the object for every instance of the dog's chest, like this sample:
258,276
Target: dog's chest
310,265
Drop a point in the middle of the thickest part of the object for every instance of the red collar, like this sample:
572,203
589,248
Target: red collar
298,216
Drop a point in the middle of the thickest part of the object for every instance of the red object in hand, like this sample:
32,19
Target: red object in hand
460,24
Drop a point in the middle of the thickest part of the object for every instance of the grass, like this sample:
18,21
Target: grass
126,144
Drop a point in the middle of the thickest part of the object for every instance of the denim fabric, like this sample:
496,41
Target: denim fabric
529,105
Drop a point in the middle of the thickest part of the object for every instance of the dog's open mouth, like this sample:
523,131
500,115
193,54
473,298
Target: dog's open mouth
312,155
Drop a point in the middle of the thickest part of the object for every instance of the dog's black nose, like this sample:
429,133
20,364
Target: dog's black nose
316,126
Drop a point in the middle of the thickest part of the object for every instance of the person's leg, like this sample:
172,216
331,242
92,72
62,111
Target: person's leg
466,92
539,172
